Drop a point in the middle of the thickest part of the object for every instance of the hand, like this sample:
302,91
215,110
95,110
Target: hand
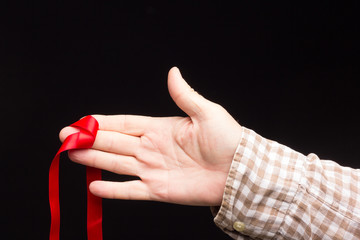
182,160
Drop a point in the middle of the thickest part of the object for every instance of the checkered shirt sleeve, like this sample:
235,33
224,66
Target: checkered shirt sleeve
274,192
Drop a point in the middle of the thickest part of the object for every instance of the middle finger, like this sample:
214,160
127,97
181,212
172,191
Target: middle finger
115,142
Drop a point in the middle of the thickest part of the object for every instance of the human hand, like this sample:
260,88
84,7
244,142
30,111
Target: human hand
182,160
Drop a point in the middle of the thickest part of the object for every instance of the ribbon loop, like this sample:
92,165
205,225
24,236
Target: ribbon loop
88,127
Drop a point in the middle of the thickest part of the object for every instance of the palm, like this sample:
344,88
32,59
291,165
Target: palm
178,159
189,161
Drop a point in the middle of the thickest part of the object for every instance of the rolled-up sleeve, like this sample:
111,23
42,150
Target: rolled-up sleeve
274,192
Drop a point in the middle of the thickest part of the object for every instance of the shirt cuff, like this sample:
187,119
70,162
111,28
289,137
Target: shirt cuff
263,180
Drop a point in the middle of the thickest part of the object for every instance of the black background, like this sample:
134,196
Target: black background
287,70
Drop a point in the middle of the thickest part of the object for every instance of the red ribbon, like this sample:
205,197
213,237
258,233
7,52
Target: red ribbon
85,138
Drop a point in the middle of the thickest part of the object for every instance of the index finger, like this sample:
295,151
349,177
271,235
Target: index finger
128,124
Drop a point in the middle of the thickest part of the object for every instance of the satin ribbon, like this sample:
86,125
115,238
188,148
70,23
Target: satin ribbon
88,127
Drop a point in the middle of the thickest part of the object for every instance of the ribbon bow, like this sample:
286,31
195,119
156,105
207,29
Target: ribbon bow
88,127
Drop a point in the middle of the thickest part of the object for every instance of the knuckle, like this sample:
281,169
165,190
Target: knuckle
111,143
114,165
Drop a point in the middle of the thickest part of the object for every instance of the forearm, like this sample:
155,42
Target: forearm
274,191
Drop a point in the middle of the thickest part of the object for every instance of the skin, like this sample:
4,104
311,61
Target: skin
183,160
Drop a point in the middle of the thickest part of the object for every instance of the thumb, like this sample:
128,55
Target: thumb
184,96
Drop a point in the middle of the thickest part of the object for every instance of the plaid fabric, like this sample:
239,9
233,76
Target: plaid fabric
274,192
